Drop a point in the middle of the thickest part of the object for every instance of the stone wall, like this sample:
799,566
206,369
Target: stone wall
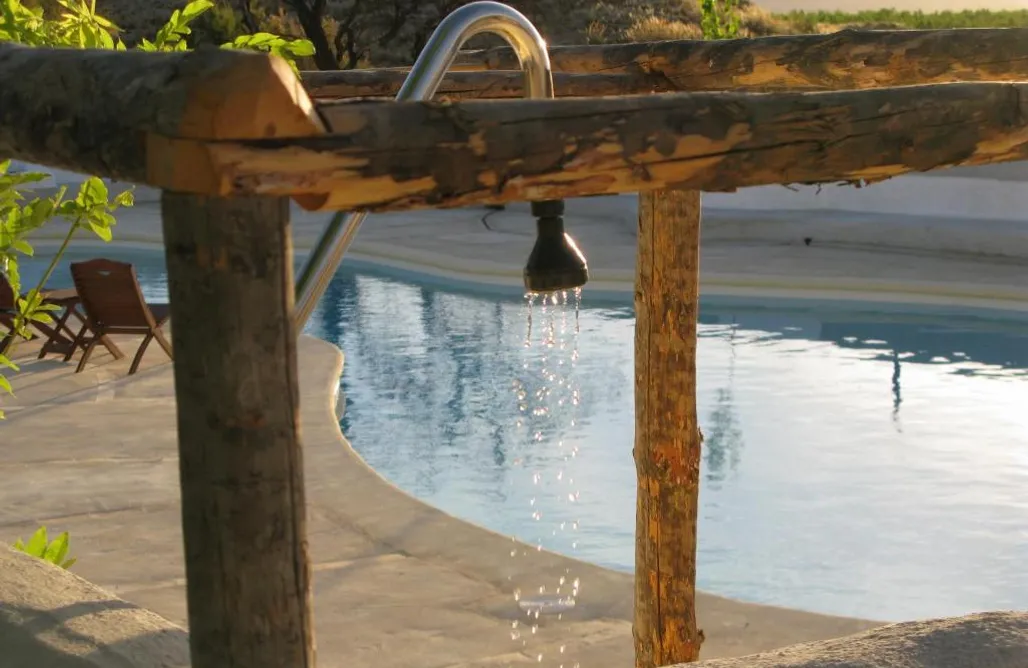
986,640
51,618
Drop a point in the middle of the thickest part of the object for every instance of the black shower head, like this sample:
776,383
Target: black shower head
556,263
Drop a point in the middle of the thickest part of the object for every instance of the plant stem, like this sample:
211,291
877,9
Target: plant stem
21,318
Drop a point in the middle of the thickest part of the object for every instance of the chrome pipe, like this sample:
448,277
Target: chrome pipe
421,84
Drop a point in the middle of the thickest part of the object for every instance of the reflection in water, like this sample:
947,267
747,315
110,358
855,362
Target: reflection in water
830,507
897,394
723,442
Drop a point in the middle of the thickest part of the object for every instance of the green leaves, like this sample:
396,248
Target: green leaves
720,19
55,552
287,49
77,25
171,36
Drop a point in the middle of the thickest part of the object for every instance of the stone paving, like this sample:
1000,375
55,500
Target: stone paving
398,583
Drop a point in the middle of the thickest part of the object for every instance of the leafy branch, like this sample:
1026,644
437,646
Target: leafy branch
77,25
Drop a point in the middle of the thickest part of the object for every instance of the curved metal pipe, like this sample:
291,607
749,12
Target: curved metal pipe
421,84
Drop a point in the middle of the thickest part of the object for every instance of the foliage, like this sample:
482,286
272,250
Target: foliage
720,19
91,209
172,36
825,21
77,25
655,29
55,551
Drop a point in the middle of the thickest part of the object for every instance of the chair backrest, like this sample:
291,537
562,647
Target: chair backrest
110,294
7,300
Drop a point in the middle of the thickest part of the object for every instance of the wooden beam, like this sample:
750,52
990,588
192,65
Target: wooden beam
471,85
415,155
843,60
230,276
667,434
103,112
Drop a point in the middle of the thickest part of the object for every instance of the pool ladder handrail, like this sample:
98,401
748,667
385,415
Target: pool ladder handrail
421,84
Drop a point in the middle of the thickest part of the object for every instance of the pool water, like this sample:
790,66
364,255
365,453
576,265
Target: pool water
859,459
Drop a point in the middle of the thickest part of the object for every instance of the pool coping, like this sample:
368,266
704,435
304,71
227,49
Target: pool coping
412,527
618,285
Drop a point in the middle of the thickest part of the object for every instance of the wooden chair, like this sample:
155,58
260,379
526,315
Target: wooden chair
114,304
59,337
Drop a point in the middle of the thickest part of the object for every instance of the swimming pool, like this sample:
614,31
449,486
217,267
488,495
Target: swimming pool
859,460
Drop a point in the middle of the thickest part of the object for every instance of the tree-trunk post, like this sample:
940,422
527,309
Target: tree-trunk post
230,275
667,436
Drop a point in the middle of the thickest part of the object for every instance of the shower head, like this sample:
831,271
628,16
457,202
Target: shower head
555,263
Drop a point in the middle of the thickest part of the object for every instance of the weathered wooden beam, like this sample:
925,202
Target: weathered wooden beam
667,434
411,155
230,276
471,85
100,112
843,60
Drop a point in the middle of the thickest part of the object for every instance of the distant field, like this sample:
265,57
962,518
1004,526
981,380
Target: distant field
885,18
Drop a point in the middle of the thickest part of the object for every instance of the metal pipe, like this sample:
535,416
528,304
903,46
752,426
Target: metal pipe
421,84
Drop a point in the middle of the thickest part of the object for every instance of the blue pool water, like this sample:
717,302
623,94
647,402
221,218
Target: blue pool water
858,460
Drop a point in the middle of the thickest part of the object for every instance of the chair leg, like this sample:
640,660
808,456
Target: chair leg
86,353
164,343
77,343
111,348
139,353
56,335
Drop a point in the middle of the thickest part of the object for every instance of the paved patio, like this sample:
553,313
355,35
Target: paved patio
398,583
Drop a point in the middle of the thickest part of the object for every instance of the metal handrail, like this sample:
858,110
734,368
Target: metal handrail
421,84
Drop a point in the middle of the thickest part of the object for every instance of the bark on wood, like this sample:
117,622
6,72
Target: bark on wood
667,436
412,155
93,111
844,60
470,85
230,275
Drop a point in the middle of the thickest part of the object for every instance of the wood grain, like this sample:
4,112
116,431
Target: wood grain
667,434
420,154
848,59
111,113
385,83
248,578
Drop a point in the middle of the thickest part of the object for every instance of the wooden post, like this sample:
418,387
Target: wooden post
667,436
230,275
